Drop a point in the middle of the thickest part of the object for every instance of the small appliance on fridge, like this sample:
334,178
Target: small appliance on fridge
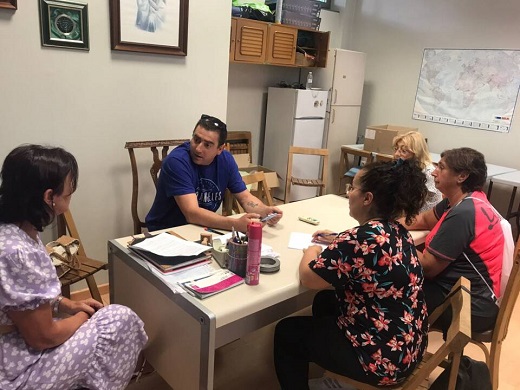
343,77
295,117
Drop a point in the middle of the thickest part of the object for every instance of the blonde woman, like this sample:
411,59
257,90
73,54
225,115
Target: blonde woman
412,145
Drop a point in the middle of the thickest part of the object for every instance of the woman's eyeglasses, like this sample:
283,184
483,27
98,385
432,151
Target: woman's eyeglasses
349,188
402,150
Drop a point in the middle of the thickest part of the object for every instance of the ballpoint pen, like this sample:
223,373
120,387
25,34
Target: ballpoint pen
213,231
326,234
268,217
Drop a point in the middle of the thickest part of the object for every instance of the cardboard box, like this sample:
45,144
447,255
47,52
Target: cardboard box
379,138
243,164
303,7
299,20
305,60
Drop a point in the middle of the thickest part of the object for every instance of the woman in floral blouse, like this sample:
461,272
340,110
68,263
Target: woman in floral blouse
373,326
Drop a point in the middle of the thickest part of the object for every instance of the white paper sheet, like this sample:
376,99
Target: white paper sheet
165,244
173,279
265,251
302,241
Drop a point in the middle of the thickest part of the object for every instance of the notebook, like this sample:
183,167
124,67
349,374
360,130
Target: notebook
166,252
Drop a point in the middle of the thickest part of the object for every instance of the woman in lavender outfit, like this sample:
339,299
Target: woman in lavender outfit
92,347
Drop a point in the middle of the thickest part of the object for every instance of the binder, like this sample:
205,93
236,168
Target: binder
167,264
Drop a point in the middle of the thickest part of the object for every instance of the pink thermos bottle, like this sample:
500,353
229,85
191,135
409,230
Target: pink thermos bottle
254,248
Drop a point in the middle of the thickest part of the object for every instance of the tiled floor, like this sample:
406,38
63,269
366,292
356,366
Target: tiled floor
509,378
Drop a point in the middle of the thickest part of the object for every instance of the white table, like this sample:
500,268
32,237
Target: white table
511,179
184,332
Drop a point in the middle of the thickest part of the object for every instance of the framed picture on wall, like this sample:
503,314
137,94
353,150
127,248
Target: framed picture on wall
149,26
10,4
64,24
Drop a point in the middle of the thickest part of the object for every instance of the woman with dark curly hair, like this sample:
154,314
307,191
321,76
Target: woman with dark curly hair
48,341
465,238
373,327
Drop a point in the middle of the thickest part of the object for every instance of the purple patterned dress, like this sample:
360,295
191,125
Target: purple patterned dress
102,354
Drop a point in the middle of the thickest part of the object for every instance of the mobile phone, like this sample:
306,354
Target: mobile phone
268,217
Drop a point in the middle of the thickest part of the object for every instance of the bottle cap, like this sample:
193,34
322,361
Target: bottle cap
254,231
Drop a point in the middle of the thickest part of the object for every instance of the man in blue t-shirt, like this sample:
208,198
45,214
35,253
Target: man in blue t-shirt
193,179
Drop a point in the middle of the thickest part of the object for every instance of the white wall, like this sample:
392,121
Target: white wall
394,35
247,98
92,102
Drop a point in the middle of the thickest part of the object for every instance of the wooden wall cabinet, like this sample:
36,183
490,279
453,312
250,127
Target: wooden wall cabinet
251,41
258,42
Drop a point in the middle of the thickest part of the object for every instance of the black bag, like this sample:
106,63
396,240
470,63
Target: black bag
251,13
472,375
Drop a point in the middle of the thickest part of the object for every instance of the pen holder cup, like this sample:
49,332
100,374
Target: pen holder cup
237,258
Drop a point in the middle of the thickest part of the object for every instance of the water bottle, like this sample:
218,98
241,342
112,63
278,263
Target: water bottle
308,85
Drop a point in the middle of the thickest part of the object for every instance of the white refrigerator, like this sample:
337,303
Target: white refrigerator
295,117
343,78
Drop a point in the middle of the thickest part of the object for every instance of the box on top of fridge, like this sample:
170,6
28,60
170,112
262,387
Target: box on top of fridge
379,138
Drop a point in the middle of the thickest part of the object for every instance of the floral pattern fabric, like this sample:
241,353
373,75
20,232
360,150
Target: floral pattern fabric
101,354
378,280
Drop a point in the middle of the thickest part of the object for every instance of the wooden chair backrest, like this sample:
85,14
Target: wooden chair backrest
458,335
155,167
508,300
262,192
70,226
239,142
88,267
344,163
295,150
382,157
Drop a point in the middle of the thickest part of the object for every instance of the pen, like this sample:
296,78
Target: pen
268,217
326,234
213,231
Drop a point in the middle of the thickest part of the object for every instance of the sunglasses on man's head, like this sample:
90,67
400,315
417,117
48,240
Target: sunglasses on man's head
212,122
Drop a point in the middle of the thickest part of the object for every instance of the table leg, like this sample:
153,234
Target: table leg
342,167
509,215
490,187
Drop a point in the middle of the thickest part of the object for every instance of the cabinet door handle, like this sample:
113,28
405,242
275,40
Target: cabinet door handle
335,95
333,116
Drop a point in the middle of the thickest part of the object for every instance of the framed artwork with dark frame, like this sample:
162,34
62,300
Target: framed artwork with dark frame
150,26
9,4
64,24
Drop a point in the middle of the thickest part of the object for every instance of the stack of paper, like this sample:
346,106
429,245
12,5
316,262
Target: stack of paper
169,253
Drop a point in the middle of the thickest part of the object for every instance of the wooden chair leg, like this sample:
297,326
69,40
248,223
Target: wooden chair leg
65,291
455,363
494,363
92,286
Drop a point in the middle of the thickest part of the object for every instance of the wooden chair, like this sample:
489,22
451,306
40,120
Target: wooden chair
348,170
261,191
457,337
497,336
382,157
154,170
320,182
239,142
88,266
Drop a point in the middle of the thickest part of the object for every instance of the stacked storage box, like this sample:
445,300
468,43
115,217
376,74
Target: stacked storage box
301,13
